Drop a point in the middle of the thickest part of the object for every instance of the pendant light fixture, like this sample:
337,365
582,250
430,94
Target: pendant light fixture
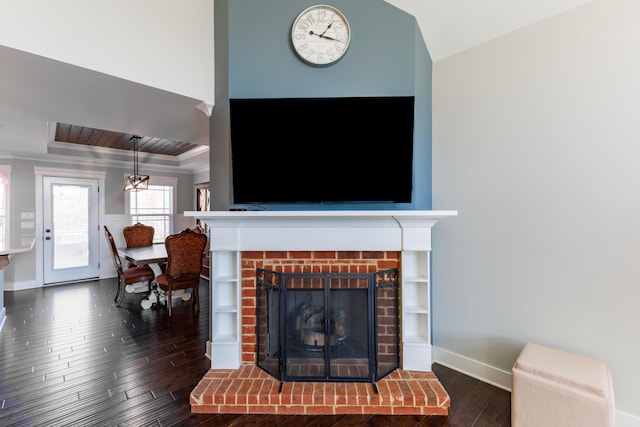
136,181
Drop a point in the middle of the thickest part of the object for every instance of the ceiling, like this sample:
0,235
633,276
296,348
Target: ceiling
82,135
52,108
452,26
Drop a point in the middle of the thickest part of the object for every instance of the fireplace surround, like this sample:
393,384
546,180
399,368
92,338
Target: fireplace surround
324,242
237,236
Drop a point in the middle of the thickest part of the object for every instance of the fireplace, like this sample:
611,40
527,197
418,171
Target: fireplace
327,326
318,243
242,241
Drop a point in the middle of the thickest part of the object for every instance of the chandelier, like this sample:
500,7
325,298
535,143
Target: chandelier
136,181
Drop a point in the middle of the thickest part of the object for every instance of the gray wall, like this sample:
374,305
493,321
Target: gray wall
537,144
23,199
262,64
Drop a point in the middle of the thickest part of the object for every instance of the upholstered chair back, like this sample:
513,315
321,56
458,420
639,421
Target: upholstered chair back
138,235
184,251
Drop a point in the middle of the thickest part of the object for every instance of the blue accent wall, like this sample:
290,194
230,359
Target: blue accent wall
386,57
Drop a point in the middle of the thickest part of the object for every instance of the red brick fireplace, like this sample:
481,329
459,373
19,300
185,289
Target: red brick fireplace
301,262
306,242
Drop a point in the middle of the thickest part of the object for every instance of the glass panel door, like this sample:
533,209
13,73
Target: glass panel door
70,229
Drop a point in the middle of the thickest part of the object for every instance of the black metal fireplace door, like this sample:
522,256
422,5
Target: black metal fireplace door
327,326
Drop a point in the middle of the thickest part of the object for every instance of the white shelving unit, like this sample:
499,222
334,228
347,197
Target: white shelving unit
416,311
365,230
226,342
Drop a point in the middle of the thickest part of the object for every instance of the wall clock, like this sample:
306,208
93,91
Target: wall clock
320,35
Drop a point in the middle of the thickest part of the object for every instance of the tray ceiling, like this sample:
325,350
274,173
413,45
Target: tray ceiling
82,135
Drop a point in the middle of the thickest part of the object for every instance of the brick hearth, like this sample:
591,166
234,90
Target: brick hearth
250,390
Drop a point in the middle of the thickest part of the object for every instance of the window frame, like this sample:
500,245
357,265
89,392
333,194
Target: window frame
163,181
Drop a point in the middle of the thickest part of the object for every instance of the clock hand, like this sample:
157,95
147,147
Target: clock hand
325,37
331,38
325,30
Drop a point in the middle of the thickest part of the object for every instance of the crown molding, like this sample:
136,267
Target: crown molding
101,162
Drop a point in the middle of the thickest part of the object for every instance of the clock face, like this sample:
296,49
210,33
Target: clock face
320,35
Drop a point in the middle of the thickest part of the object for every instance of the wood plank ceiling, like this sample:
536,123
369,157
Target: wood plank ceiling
82,135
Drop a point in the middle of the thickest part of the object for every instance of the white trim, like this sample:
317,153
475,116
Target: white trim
168,181
473,368
233,232
68,173
165,180
207,350
187,168
321,230
6,171
40,172
22,285
624,419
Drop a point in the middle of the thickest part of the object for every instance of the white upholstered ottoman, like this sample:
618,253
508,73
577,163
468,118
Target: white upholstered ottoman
554,388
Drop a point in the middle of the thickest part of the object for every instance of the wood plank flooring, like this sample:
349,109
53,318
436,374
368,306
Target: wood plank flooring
70,357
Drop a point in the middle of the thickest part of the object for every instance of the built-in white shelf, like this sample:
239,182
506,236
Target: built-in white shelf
226,342
406,231
416,306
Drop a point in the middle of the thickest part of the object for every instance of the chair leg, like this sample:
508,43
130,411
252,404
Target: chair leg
119,291
169,301
196,299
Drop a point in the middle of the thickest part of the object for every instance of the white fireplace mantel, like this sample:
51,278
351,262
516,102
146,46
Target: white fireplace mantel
232,232
321,230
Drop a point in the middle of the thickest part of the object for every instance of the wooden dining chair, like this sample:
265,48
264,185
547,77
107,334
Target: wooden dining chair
184,262
204,273
138,235
130,275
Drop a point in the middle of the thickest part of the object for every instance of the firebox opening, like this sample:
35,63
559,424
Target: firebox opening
327,326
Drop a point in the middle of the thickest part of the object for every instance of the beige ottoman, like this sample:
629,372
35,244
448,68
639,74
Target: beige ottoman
554,388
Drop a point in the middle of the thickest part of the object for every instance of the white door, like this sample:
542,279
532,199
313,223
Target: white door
71,235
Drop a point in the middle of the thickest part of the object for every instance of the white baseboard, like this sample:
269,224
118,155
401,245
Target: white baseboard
3,317
626,420
501,378
207,352
21,286
478,370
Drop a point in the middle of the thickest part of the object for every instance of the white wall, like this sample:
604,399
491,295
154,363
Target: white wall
156,42
537,145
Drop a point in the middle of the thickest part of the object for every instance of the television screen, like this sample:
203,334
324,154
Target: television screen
319,150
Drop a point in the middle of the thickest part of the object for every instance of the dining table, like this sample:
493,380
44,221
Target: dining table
145,255
153,256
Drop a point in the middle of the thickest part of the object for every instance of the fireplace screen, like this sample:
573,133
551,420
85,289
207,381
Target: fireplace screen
327,326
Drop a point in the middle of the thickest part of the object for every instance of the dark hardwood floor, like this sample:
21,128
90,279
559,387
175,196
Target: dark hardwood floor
70,357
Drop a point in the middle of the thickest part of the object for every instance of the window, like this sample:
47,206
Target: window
155,207
5,172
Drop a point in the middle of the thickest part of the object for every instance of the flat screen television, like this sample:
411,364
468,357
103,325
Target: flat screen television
322,150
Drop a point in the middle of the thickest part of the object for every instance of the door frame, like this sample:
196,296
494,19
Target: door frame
40,173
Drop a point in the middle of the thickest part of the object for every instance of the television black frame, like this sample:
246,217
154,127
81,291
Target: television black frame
322,150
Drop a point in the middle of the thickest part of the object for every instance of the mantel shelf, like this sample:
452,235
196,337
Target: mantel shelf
321,230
